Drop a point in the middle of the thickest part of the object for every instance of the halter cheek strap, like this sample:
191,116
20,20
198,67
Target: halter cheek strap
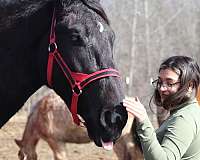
77,81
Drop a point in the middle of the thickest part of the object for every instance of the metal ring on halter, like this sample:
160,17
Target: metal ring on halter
52,47
77,90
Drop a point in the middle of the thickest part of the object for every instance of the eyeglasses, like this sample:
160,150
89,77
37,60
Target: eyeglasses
158,84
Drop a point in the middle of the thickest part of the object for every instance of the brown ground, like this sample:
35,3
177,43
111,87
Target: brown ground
14,129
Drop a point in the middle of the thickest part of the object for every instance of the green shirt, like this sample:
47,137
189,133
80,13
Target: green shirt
178,138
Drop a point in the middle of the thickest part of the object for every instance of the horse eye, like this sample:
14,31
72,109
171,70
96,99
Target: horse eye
75,37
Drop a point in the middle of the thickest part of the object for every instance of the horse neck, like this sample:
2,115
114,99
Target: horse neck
37,36
37,28
13,11
23,68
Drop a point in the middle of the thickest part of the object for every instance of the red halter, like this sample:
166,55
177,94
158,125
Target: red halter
77,81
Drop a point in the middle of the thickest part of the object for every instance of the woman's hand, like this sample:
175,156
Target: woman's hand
135,108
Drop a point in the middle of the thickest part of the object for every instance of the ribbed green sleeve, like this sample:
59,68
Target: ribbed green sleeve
174,138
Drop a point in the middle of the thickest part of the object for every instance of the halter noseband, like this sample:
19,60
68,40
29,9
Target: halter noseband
76,80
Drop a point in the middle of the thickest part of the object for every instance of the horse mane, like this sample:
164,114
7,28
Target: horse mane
13,10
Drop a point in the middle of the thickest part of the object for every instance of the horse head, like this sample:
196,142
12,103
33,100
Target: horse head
83,50
80,61
25,153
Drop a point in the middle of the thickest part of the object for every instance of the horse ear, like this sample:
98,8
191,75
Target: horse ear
18,142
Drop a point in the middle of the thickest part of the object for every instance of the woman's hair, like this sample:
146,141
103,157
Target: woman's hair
189,75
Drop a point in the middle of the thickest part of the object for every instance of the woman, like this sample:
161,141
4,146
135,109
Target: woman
178,137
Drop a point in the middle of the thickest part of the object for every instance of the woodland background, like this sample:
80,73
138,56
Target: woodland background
149,31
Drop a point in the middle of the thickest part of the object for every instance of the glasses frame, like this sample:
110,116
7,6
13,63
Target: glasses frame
158,85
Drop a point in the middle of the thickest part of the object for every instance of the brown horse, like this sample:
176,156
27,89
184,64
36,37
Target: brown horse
50,120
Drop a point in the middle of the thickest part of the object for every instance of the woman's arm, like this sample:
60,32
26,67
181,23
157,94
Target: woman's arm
177,137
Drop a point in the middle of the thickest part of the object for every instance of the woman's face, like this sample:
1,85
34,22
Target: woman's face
168,83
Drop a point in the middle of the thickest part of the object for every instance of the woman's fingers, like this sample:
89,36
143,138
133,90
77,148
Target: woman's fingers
135,113
135,108
134,105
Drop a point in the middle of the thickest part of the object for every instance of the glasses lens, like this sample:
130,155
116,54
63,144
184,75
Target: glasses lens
157,84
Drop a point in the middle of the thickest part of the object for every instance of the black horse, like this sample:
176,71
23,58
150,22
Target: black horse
68,43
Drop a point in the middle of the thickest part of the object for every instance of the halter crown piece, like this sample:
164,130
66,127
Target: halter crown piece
77,81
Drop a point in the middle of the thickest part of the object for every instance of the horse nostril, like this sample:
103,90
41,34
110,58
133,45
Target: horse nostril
115,118
108,118
105,118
